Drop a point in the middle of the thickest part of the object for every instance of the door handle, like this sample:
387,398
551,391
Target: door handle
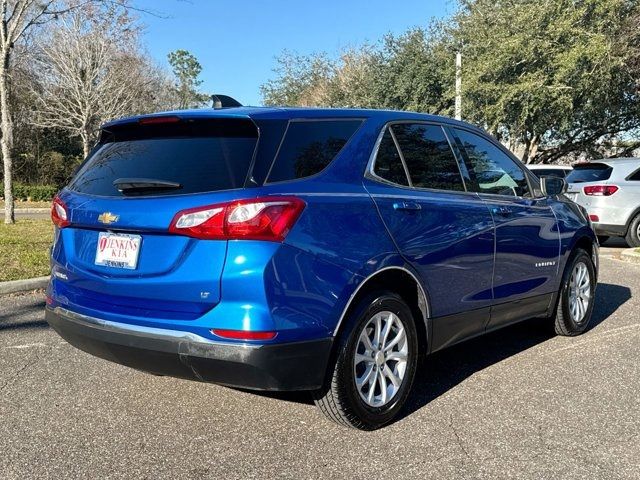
412,206
502,211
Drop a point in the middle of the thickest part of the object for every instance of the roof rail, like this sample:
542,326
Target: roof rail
224,101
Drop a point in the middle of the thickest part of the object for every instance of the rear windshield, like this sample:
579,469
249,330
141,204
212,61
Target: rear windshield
169,159
589,172
309,146
548,172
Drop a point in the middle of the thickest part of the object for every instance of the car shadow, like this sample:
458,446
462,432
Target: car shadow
21,318
444,370
450,367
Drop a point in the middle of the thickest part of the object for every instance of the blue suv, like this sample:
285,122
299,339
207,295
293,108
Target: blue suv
309,249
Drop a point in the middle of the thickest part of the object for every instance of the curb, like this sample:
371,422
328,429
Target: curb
32,210
630,255
29,210
26,285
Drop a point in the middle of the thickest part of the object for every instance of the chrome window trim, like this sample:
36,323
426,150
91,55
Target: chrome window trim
371,175
426,314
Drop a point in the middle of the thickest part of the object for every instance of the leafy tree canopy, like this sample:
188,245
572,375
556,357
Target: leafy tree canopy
548,77
187,69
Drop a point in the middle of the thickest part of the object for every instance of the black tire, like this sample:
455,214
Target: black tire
340,399
602,239
564,322
633,234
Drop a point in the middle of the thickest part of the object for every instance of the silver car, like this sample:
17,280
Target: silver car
610,192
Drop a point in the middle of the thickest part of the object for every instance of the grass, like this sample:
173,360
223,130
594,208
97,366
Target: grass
24,249
28,205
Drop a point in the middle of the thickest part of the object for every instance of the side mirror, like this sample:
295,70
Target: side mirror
552,186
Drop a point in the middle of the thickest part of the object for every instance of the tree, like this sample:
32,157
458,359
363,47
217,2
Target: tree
411,74
187,69
549,77
403,72
89,72
300,80
17,19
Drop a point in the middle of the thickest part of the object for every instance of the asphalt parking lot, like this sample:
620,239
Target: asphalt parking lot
519,403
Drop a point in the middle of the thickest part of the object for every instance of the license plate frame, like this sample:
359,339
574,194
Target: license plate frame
118,250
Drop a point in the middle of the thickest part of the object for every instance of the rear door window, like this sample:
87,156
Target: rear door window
589,172
428,156
493,170
186,157
309,146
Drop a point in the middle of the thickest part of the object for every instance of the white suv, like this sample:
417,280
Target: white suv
610,192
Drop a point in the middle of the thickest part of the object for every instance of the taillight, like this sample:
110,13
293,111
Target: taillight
600,190
243,334
59,213
594,218
268,218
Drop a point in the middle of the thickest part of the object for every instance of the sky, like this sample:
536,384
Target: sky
236,42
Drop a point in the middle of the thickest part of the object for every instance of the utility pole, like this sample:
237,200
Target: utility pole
458,110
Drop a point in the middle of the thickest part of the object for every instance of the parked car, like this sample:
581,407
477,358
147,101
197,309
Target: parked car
542,170
610,192
309,249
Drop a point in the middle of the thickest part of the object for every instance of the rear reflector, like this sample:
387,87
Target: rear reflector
59,213
268,218
243,334
158,120
594,218
600,190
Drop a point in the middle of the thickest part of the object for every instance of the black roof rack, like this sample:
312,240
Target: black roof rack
224,101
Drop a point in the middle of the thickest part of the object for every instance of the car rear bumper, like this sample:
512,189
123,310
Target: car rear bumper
283,367
610,230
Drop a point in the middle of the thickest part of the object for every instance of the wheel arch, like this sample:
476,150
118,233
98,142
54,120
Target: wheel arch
405,283
631,218
588,243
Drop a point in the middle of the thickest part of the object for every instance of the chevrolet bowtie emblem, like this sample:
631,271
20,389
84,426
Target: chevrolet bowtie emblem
108,218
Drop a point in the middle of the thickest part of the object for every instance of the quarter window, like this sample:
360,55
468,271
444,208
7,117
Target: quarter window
309,146
428,156
388,164
492,169
635,177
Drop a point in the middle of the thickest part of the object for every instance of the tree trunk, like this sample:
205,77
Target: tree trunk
86,143
530,149
6,142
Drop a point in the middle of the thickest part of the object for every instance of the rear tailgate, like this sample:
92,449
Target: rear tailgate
584,175
117,254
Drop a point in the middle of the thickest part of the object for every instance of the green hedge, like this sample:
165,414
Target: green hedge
34,193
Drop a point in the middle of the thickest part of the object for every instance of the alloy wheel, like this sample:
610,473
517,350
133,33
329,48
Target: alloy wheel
380,362
579,292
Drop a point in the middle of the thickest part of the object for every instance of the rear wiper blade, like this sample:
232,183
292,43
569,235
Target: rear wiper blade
142,184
